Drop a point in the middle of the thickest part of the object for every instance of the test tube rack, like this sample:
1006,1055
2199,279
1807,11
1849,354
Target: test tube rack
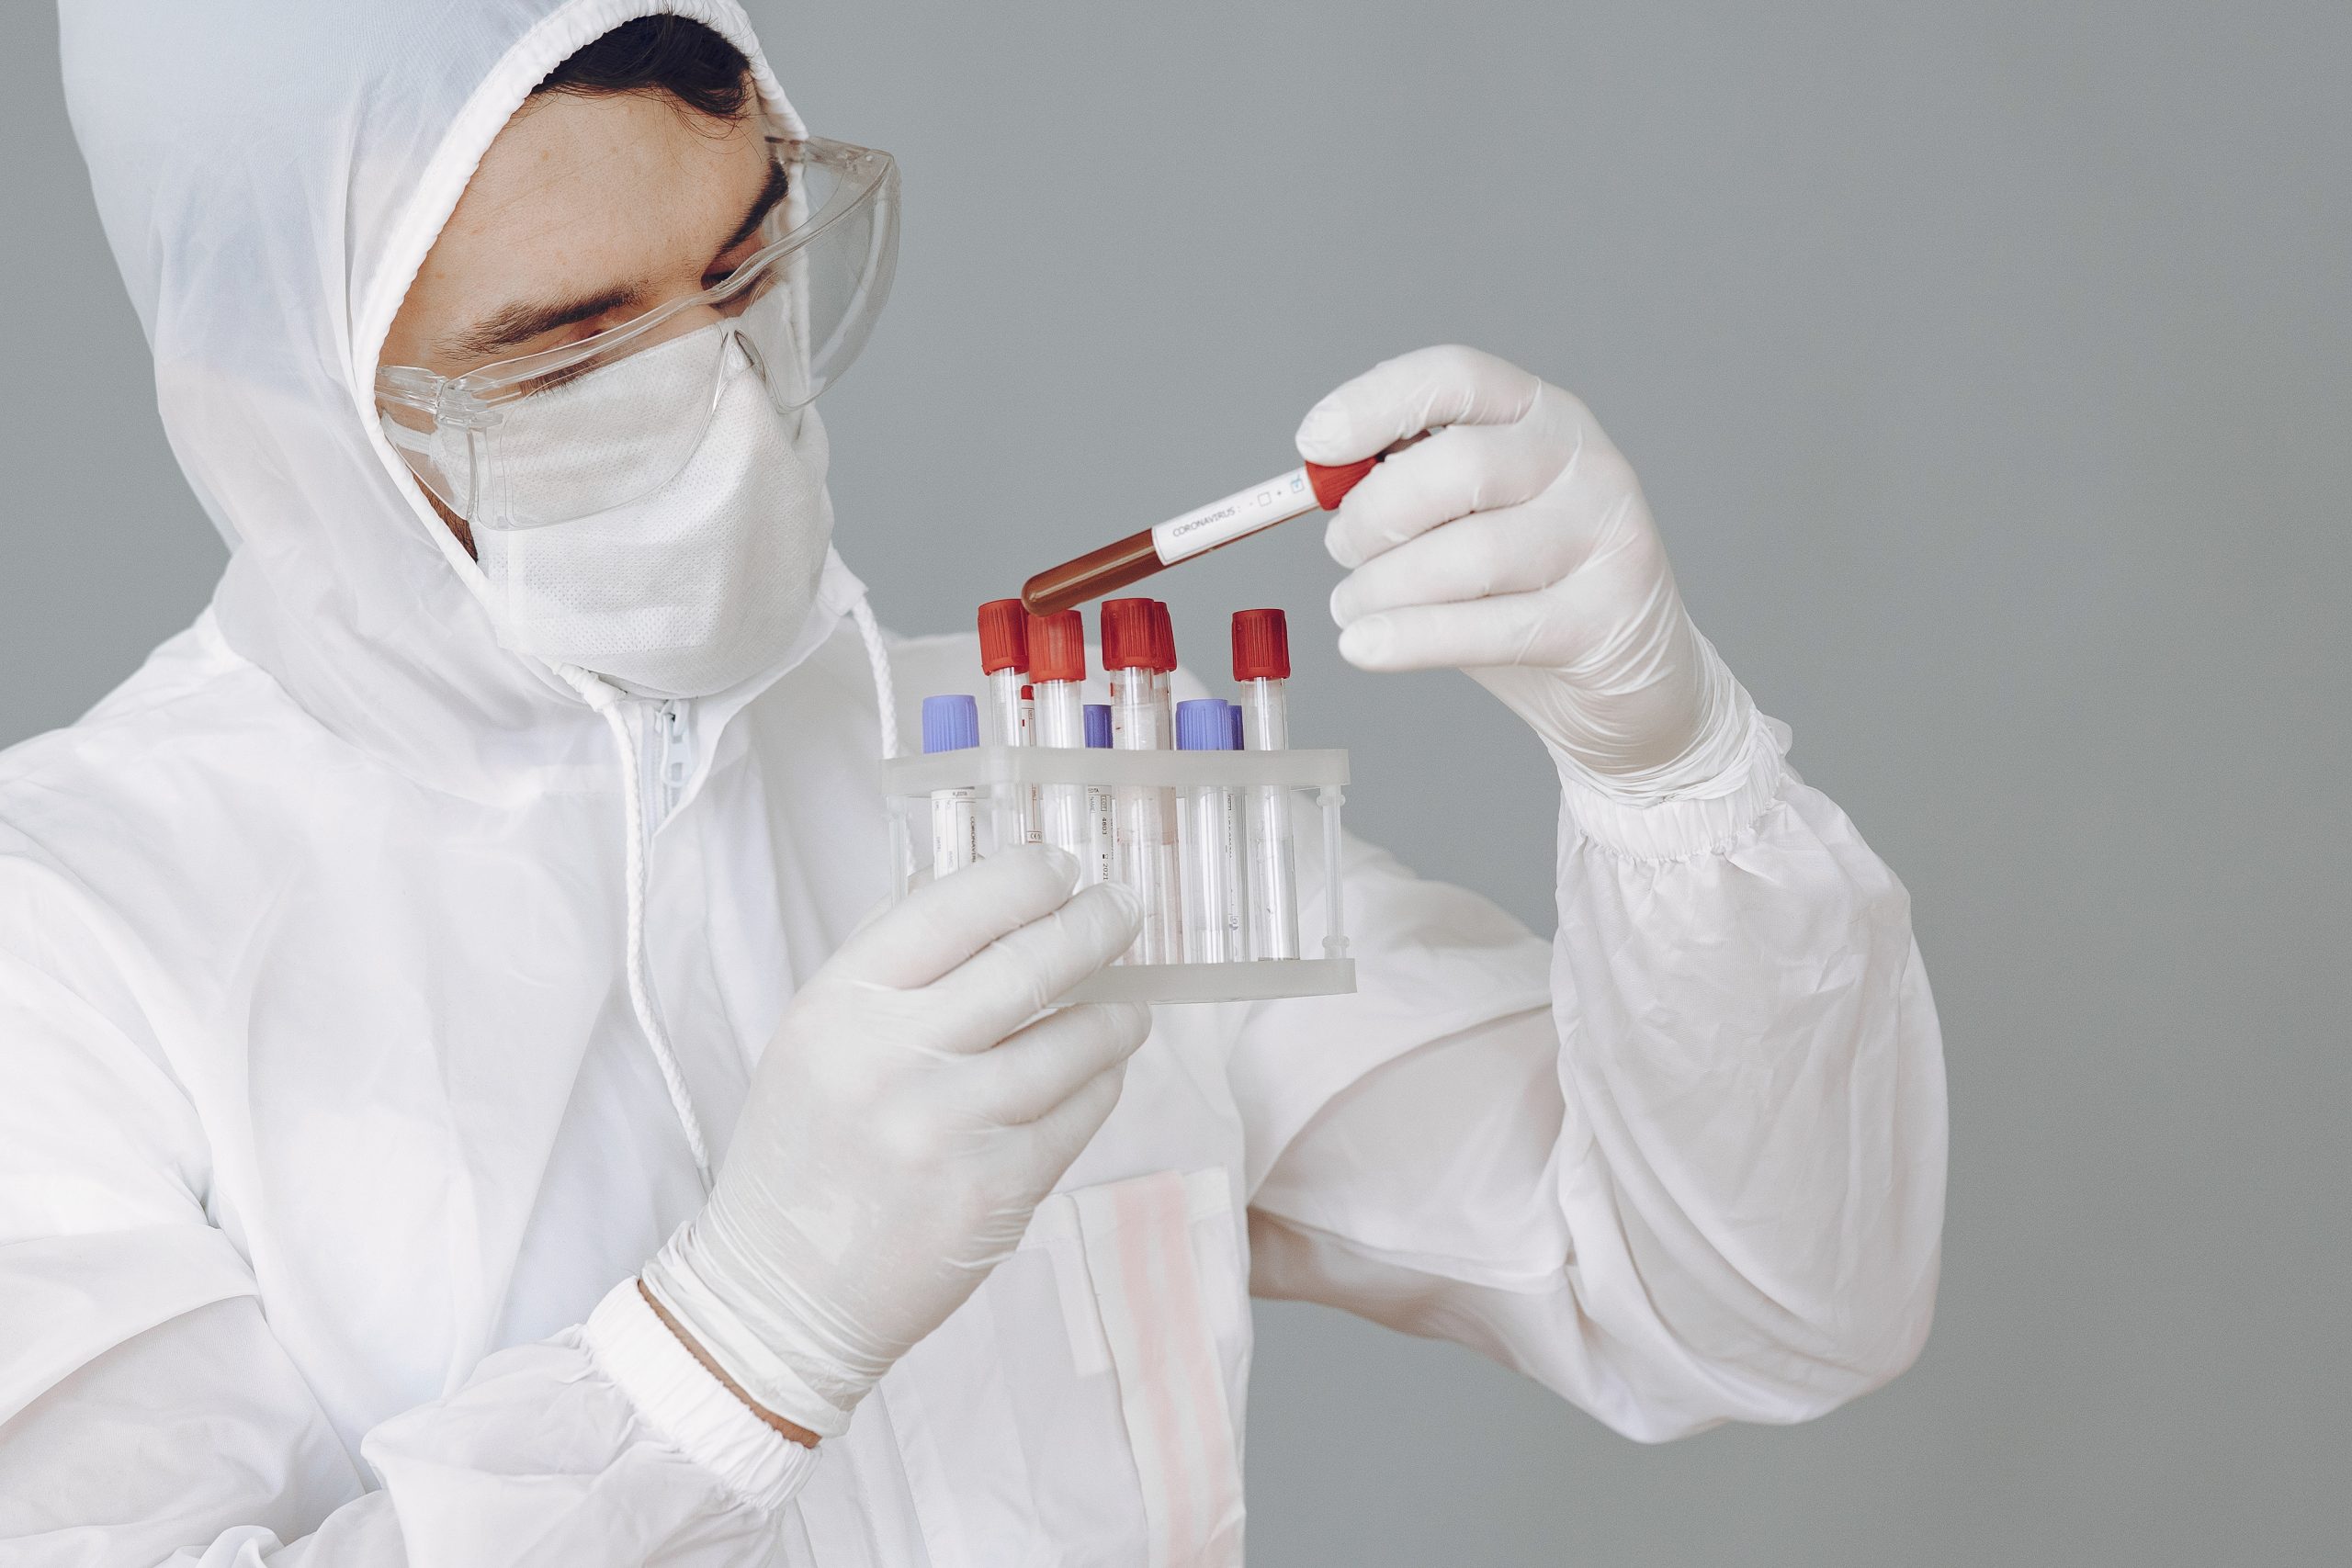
1002,775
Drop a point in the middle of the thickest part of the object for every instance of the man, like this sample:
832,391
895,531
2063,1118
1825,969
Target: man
454,1114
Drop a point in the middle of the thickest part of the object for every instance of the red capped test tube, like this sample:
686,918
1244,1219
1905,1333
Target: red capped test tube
1262,665
1057,668
1144,814
1004,659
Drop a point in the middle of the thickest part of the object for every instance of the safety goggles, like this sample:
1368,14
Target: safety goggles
613,418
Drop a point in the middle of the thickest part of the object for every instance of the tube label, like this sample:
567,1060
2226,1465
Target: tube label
954,831
1243,512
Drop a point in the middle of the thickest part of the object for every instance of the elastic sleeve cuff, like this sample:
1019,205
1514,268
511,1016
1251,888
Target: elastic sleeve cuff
746,1354
1701,820
688,1406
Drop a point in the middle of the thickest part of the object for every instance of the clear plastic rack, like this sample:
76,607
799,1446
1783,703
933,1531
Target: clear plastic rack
1003,778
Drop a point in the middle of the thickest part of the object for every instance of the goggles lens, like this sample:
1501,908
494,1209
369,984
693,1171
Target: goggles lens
602,422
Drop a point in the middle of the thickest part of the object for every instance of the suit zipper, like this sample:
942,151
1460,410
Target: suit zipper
668,761
676,721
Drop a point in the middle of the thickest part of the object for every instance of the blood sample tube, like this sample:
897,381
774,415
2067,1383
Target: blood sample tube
953,724
1261,663
1058,667
1146,860
1004,659
1208,831
1102,832
1197,532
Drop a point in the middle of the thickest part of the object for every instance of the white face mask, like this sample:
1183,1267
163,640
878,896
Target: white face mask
694,588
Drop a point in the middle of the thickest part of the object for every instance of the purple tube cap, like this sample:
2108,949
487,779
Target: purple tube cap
1201,725
1098,726
950,722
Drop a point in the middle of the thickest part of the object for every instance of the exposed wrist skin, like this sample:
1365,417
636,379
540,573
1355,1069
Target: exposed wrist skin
801,1435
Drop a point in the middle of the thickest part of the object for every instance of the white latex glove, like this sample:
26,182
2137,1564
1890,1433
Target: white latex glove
904,1122
1514,543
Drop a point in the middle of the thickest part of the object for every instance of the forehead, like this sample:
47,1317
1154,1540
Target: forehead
582,184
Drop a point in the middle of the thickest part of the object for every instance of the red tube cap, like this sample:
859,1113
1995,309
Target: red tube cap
1057,647
1332,485
1126,634
1163,639
1260,645
1004,636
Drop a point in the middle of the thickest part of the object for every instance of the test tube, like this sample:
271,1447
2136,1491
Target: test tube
1163,681
1103,834
1261,663
953,724
1058,667
1004,659
1146,814
1208,829
1243,939
1197,532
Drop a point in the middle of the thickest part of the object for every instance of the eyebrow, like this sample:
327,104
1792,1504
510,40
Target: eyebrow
520,323
779,182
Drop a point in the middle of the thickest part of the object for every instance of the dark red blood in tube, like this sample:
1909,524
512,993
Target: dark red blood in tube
1091,575
1135,558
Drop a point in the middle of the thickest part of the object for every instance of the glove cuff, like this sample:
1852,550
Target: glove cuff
1695,822
1713,765
755,1350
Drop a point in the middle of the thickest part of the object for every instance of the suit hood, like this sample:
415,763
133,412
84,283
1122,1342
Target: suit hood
271,174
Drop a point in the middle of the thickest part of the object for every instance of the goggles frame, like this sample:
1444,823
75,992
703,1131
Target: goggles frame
864,176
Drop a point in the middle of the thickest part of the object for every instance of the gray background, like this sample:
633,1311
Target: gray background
1986,365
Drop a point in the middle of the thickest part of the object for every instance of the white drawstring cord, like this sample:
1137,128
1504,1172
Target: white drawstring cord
886,694
606,701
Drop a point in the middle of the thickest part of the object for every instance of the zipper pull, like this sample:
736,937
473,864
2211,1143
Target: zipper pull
678,752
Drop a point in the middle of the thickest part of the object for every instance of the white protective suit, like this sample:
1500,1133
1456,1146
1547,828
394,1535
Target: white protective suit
326,1124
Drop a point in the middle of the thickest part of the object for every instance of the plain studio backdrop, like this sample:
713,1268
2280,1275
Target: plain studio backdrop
1987,366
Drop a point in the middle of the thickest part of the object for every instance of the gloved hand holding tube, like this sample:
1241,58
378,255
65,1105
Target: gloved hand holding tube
1514,543
911,1112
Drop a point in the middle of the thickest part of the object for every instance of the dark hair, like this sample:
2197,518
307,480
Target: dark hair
661,54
